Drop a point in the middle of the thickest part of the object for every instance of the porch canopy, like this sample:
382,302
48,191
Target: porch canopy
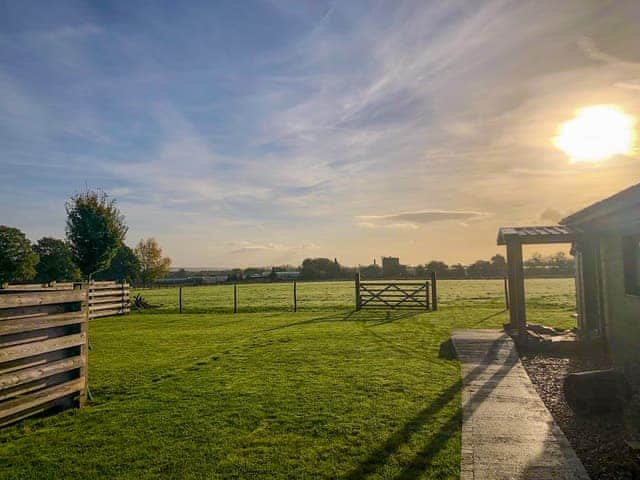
514,238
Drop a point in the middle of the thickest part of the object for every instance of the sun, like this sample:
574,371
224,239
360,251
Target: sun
597,133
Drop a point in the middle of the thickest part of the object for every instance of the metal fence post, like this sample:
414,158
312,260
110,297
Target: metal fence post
434,292
358,299
180,299
295,297
235,298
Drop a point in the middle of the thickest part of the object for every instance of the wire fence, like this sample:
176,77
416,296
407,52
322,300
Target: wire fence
331,296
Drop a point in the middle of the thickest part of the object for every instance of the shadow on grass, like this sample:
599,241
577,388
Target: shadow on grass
379,317
422,460
489,317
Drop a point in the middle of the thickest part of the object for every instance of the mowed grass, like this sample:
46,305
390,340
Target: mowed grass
324,393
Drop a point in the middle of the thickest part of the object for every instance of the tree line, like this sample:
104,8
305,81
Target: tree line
94,248
556,265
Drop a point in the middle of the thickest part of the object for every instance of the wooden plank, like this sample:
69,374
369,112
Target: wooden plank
107,293
110,298
108,313
28,324
40,298
31,374
15,406
36,348
105,306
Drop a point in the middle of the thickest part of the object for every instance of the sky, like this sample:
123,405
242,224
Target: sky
264,132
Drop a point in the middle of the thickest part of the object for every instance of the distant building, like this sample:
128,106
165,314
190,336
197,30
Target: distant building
287,275
390,267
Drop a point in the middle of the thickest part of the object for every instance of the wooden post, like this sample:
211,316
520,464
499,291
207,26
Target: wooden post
426,296
84,348
434,292
180,299
358,299
295,297
517,309
235,298
506,294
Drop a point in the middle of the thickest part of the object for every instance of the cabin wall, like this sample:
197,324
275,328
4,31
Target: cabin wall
621,311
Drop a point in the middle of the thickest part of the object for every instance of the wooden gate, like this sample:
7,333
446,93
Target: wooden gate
397,294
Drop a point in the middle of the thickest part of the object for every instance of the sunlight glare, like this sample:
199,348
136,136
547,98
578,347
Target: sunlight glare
597,133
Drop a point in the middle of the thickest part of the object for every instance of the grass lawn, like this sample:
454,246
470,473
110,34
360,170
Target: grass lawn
322,393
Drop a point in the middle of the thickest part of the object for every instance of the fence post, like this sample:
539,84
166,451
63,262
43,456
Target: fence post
235,298
180,299
358,299
295,297
506,294
426,295
84,350
434,292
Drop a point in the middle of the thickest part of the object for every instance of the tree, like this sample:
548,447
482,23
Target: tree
95,230
56,261
498,265
125,266
152,264
319,269
17,259
441,268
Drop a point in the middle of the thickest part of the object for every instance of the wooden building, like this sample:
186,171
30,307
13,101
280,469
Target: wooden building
605,239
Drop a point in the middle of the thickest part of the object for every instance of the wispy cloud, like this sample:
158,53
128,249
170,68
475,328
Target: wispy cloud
413,220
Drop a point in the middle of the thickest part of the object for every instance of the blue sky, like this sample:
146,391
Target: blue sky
242,133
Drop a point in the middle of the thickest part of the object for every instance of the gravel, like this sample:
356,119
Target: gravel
599,440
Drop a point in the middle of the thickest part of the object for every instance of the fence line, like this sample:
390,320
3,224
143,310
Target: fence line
43,351
106,298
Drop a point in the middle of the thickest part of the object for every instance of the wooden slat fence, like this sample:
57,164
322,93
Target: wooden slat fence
396,294
43,351
106,298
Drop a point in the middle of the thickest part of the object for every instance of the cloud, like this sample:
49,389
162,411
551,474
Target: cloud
411,220
551,215
245,247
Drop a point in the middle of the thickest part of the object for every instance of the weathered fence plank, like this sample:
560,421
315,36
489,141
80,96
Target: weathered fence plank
43,351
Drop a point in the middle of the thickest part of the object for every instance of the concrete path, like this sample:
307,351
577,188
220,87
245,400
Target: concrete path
507,432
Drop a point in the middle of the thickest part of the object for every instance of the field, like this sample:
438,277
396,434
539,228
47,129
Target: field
321,393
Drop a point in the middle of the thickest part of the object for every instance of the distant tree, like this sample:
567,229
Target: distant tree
479,269
457,271
17,258
95,230
498,265
152,264
56,261
125,266
319,269
371,272
441,268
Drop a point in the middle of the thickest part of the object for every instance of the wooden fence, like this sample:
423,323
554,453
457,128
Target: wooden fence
397,294
105,298
43,351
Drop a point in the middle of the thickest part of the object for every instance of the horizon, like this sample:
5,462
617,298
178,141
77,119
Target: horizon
268,132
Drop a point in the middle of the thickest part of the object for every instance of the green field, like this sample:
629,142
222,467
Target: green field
321,393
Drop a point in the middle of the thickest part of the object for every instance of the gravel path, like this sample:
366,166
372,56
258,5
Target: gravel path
597,440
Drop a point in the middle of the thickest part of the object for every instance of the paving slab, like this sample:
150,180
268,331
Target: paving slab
507,432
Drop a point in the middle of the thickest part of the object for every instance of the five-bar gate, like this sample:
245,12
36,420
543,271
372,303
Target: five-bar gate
397,294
